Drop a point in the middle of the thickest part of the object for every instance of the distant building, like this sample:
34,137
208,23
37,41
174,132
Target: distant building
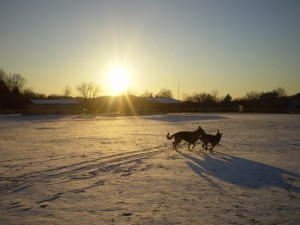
54,106
164,100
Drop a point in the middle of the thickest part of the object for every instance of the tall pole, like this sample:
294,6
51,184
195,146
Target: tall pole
178,91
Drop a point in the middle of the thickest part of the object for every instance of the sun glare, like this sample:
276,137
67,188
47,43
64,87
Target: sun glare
118,80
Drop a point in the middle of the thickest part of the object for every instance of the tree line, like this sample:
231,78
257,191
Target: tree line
205,97
15,95
11,86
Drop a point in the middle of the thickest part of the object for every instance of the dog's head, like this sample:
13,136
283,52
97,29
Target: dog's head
219,134
200,130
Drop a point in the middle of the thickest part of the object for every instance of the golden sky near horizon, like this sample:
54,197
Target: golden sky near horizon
230,46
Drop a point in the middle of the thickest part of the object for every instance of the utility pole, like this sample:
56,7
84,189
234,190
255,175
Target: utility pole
178,92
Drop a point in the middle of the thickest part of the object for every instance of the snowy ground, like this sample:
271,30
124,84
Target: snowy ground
123,170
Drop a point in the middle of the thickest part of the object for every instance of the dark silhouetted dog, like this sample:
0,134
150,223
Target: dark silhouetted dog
210,139
189,136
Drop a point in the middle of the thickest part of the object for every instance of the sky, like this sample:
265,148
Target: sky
229,46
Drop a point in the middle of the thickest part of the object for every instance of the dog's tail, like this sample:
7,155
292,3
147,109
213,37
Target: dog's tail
169,137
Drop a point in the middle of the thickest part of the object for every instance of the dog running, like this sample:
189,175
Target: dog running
189,136
213,140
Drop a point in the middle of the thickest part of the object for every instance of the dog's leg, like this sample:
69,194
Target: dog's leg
174,145
205,146
212,147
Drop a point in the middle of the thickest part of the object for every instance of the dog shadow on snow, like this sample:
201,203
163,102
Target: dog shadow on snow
239,171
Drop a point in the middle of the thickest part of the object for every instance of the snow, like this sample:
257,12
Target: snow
123,170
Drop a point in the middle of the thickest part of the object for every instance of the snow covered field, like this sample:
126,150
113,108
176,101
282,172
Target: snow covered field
123,170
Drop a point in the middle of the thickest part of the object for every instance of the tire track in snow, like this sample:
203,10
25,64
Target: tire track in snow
90,168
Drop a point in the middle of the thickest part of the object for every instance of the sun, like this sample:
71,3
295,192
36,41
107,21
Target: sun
118,80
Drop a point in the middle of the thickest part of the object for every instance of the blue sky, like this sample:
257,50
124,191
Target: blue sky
232,46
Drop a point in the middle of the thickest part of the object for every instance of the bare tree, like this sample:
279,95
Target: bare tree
252,95
280,91
15,81
201,98
214,95
67,91
147,94
88,90
83,89
94,90
164,93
